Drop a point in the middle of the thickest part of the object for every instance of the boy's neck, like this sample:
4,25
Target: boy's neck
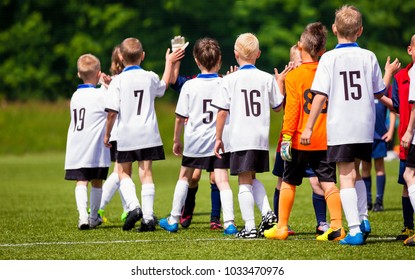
342,40
307,58
90,82
243,62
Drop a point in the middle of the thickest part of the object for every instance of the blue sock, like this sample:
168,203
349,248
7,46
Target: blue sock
368,184
408,213
215,199
276,201
320,207
380,187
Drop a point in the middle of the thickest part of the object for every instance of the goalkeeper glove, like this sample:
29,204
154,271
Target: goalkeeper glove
178,42
286,148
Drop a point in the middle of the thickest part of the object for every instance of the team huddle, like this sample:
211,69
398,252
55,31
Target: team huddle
328,101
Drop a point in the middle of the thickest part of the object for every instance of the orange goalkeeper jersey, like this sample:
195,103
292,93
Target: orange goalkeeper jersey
297,108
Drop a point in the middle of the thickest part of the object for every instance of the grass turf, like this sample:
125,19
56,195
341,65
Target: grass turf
39,219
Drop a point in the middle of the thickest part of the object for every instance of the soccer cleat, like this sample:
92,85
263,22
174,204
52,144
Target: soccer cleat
164,224
149,225
124,216
410,241
83,224
230,230
186,217
276,233
353,240
215,223
332,235
101,213
93,223
405,233
378,207
290,231
243,233
365,228
132,217
369,206
322,227
267,222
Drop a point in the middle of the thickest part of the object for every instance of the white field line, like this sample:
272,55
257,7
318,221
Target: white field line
162,240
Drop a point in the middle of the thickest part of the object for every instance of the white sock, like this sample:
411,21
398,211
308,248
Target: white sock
124,204
260,197
361,199
110,186
246,204
127,189
349,202
180,193
147,201
411,194
95,200
81,198
226,199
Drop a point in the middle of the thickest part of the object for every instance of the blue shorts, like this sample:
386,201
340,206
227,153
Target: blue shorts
379,149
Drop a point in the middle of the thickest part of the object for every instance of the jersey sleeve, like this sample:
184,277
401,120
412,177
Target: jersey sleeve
222,98
159,85
322,79
182,107
378,83
411,87
276,98
113,96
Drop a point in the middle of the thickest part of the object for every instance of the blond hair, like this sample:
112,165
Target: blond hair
247,46
88,66
116,63
348,21
131,50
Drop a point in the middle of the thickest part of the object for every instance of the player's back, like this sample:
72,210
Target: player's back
133,94
350,77
85,147
248,94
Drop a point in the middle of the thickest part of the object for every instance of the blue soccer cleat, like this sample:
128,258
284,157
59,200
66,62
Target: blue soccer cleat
353,240
365,228
164,224
230,230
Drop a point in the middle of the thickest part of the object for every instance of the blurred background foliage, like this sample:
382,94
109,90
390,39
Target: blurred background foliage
40,40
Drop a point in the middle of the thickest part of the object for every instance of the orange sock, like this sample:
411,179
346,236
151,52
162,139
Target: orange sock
332,197
287,194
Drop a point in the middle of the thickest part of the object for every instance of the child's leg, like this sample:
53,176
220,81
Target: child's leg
226,196
319,202
180,193
367,179
246,200
147,189
260,197
95,198
81,198
127,186
380,180
287,195
361,193
348,195
277,196
190,202
409,177
214,198
332,196
110,186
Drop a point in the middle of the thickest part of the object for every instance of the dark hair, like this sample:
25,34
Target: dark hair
207,52
314,38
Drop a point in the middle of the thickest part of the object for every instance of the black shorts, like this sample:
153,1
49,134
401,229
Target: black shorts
153,153
113,151
350,152
86,174
295,170
279,167
410,158
207,163
251,160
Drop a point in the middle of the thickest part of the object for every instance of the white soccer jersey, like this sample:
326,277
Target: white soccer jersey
132,94
195,104
85,141
248,95
350,77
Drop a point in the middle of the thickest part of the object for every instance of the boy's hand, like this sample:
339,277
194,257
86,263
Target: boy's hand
174,56
178,42
177,148
232,69
286,148
219,147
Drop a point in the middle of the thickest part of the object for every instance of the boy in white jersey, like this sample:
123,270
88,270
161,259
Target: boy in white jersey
87,159
349,77
408,142
194,104
132,95
246,95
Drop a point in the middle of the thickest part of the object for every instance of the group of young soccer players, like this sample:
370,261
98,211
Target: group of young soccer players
328,125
